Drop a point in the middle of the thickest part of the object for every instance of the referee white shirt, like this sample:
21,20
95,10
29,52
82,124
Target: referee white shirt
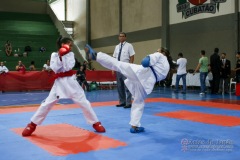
126,52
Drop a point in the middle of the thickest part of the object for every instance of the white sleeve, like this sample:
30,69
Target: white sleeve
178,62
154,58
68,61
55,62
5,69
66,64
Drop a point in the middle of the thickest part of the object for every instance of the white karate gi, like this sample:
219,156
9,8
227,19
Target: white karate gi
65,87
140,81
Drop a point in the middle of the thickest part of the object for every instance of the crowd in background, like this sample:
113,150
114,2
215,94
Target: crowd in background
217,69
17,53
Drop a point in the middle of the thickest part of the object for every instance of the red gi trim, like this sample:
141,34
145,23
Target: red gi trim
61,75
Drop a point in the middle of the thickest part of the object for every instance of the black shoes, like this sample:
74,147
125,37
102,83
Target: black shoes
124,105
120,105
128,106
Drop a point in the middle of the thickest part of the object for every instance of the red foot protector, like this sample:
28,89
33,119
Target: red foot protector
64,139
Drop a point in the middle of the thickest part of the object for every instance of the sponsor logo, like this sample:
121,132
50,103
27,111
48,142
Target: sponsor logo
192,7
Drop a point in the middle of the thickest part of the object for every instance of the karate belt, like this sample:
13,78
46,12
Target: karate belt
61,75
154,72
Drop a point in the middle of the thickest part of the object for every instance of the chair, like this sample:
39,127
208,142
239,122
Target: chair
232,82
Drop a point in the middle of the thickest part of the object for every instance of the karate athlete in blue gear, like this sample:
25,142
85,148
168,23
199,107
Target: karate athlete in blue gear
140,78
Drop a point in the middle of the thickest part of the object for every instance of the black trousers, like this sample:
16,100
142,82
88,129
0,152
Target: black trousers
215,82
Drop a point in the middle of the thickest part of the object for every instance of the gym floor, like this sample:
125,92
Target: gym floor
178,127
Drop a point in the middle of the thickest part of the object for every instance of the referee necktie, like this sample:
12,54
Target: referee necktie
120,51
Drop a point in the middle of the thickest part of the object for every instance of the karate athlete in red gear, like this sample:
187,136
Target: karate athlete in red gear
140,78
65,86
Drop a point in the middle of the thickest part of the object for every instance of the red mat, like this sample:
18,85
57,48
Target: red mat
33,108
64,139
221,120
196,103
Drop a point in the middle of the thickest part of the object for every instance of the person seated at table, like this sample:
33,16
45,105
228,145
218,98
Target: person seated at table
21,67
46,67
81,77
8,48
32,66
3,68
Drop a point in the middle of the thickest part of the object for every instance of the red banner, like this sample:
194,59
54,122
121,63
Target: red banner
100,76
39,80
32,80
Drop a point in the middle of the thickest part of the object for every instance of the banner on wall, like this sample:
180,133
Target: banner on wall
190,8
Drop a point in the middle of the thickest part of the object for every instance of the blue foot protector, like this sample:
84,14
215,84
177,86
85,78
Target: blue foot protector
137,130
91,53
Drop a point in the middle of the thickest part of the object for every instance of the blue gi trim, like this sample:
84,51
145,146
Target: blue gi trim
154,72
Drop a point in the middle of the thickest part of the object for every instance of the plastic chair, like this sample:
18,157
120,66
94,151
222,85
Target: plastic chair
232,82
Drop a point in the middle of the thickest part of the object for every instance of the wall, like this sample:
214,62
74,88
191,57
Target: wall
141,20
77,13
203,31
141,14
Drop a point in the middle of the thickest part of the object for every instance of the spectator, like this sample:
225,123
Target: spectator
203,67
210,76
27,49
17,53
32,66
8,48
81,78
77,63
224,74
85,66
46,67
20,67
237,68
181,72
25,54
215,64
3,68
